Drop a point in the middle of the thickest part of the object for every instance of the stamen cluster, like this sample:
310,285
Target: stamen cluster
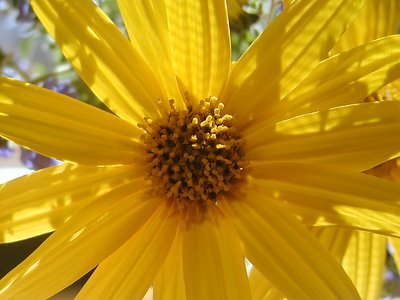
193,154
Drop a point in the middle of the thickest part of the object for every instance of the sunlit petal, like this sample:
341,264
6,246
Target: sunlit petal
213,263
365,263
102,56
238,18
261,288
150,19
51,196
395,243
345,78
334,239
325,195
285,53
169,282
285,252
129,271
80,244
357,137
199,35
376,19
64,128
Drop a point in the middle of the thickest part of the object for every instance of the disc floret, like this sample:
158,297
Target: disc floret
194,155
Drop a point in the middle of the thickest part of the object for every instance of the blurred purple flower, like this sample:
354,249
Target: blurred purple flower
36,161
54,84
25,13
5,150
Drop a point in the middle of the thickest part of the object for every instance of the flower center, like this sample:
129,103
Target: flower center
193,155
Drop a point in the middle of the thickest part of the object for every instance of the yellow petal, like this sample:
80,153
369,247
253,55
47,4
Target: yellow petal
61,127
146,23
334,239
261,288
287,3
325,195
286,52
169,282
235,10
395,242
86,239
102,56
129,271
345,78
199,35
365,261
285,252
49,197
213,262
376,19
357,137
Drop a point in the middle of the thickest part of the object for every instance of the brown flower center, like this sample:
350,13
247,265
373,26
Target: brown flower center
193,155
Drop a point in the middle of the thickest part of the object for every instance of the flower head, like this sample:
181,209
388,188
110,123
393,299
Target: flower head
203,163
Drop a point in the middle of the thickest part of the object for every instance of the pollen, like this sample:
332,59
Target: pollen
193,155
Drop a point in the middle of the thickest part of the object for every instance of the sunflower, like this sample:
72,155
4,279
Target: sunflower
362,254
203,163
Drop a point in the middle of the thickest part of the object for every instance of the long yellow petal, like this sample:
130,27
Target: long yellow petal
358,137
49,197
375,20
261,288
129,271
236,12
200,40
345,78
334,239
169,282
395,243
325,195
64,128
365,261
213,262
146,23
86,239
102,56
287,3
286,52
285,252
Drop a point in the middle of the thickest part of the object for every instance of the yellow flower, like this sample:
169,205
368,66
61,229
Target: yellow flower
203,164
